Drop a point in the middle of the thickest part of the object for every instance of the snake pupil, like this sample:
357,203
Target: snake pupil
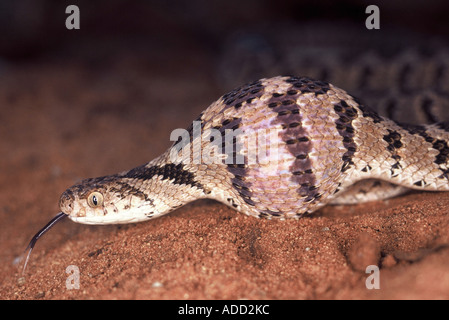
95,199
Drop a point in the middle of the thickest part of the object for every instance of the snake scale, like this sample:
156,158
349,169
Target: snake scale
331,148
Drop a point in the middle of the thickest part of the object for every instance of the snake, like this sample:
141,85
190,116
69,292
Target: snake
279,147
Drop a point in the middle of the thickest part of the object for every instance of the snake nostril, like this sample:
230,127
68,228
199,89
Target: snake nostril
66,200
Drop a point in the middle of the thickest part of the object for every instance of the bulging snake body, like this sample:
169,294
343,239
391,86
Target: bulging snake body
330,148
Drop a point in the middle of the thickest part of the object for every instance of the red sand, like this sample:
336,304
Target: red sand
61,123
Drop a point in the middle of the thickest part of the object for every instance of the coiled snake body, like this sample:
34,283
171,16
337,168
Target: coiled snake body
330,149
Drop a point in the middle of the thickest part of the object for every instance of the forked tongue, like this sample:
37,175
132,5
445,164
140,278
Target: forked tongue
41,232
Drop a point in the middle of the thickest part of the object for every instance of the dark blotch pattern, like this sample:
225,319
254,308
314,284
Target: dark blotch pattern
229,124
244,93
306,85
266,213
295,136
190,131
368,112
237,169
393,138
168,172
126,189
442,147
344,127
236,98
443,156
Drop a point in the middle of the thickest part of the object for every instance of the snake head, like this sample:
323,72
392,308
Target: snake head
105,200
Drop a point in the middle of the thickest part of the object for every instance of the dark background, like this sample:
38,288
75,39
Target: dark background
229,42
35,29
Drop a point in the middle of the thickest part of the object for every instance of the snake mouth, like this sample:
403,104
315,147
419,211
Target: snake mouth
109,219
60,216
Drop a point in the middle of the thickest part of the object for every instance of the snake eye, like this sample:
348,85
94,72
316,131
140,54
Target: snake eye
95,199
